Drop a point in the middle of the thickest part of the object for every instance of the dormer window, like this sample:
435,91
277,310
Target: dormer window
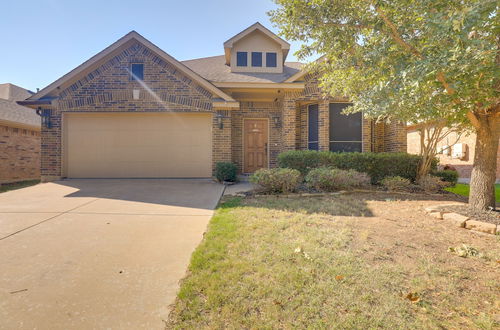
241,59
137,71
257,59
271,61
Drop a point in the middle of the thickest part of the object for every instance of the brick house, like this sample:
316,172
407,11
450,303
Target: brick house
456,150
19,137
132,110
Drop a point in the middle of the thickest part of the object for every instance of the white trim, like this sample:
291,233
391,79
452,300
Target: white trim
15,124
256,26
297,86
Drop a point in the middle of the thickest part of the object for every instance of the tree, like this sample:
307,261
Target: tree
431,133
411,60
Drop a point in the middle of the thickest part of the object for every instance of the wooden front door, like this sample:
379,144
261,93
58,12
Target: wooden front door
255,136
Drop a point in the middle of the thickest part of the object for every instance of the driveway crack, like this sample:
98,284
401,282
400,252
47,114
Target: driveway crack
48,219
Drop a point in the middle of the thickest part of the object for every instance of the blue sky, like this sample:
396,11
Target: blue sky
44,39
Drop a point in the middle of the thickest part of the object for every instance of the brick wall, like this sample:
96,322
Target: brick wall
376,137
463,166
221,138
109,88
395,137
19,154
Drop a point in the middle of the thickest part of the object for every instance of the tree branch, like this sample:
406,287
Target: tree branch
396,35
354,26
473,119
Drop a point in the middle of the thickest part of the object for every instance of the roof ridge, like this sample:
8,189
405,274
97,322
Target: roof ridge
200,58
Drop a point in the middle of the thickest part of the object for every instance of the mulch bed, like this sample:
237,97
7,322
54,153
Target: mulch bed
485,216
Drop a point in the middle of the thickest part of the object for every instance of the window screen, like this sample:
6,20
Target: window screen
312,127
241,59
271,60
137,72
345,130
256,59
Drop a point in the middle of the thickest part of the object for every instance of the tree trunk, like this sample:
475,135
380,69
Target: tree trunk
482,185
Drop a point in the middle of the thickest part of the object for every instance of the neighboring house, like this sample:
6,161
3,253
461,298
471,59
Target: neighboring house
19,137
456,150
134,111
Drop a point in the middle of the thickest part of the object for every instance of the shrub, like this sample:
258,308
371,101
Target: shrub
449,176
331,179
376,165
226,171
396,183
277,180
431,184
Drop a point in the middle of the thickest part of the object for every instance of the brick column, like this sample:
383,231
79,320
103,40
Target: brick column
395,137
289,132
51,148
379,137
367,135
221,138
324,125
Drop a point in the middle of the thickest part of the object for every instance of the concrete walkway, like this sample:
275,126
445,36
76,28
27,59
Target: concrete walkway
98,254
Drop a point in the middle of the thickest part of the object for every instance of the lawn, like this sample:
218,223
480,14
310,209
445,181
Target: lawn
463,189
17,185
351,261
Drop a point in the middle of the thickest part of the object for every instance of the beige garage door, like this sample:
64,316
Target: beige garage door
120,145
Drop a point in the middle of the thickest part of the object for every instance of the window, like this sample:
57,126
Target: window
256,59
312,127
137,72
241,59
345,130
271,60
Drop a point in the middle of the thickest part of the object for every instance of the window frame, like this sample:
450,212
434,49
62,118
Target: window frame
331,141
253,64
238,59
309,142
275,59
132,74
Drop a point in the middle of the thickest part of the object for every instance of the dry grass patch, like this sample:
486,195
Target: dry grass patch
349,261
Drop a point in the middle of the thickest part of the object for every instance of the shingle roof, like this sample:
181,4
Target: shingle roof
12,92
11,111
214,69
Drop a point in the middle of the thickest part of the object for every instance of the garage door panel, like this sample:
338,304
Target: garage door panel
138,145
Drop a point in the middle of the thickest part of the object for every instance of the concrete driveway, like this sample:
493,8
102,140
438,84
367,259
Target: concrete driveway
98,254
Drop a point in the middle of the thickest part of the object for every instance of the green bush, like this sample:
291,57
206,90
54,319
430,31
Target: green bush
276,180
226,171
331,179
396,183
448,176
376,165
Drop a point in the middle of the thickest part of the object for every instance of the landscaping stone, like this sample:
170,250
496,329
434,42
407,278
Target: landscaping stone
430,209
481,226
436,214
455,218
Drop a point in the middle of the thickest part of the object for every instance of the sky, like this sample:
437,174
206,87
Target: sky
44,39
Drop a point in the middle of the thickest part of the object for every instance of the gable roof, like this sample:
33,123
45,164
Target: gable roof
299,75
102,56
215,70
13,113
285,46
